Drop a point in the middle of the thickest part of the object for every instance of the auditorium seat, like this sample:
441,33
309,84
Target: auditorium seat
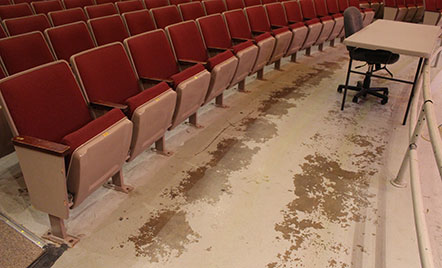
294,15
3,34
192,10
277,18
44,7
177,2
368,12
63,151
250,3
109,81
324,15
108,29
432,13
240,31
165,16
24,51
155,63
190,49
333,9
67,16
420,11
67,40
26,24
309,13
128,6
264,2
14,2
101,10
15,11
217,39
5,2
100,2
155,3
214,6
394,11
259,24
139,21
77,3
234,4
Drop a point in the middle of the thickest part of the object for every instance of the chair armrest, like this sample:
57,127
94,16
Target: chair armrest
156,80
41,145
275,26
107,105
217,49
241,39
258,32
191,62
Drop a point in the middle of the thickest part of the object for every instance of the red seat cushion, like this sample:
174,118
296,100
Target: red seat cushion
262,37
280,30
312,21
326,18
187,73
241,46
297,25
215,60
91,129
145,96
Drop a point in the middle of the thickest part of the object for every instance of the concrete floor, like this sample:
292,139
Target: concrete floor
282,178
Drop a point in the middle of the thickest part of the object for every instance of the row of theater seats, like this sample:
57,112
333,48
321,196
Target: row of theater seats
433,12
404,10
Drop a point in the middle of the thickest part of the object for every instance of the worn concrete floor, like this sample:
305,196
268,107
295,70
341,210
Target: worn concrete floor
282,178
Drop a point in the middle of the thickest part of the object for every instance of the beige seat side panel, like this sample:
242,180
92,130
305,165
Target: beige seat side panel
246,59
326,31
299,37
431,18
266,47
313,35
221,76
282,44
390,13
339,25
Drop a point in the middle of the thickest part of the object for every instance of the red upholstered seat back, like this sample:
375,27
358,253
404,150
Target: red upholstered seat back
100,2
128,6
308,9
177,2
258,19
293,11
2,32
20,1
15,11
100,10
250,3
276,14
187,41
24,51
165,16
77,3
67,16
139,21
106,73
343,5
46,102
332,6
156,3
108,29
67,40
27,24
238,25
215,31
214,6
354,3
430,5
2,73
192,11
234,4
400,3
321,8
439,4
264,2
45,7
152,55
4,2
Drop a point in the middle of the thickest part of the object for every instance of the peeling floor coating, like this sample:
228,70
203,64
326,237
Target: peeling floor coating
282,178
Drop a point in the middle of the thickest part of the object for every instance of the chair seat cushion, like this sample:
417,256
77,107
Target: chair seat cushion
297,25
326,18
91,129
280,30
312,21
262,37
146,95
241,46
187,73
215,60
374,56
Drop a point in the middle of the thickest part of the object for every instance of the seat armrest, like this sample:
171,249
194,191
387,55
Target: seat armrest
41,145
107,105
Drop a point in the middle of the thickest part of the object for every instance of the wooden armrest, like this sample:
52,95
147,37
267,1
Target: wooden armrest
41,145
157,80
108,105
191,62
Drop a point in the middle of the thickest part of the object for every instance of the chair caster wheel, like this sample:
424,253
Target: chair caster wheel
385,93
339,90
355,99
384,101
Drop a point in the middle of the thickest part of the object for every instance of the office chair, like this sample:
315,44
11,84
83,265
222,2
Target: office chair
373,58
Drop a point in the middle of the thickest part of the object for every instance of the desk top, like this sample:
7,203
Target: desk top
398,37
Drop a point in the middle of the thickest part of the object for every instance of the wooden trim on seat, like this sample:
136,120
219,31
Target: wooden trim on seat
41,145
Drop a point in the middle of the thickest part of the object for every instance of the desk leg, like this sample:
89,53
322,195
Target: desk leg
346,84
419,66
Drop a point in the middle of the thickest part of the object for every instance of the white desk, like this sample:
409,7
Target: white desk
398,37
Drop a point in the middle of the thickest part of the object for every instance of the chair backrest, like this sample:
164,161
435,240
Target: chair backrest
67,16
14,2
192,10
100,2
128,6
15,11
45,102
77,3
100,10
234,4
352,21
5,2
187,41
156,3
430,5
138,21
45,7
439,4
214,31
237,23
3,33
177,2
308,9
293,11
108,29
165,16
332,6
276,14
355,3
105,73
264,2
152,55
321,8
343,4
214,6
26,24
258,19
24,51
250,3
67,40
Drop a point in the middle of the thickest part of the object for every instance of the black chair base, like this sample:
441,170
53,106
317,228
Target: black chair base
362,92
